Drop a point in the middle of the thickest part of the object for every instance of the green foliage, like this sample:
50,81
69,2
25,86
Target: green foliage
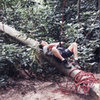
40,19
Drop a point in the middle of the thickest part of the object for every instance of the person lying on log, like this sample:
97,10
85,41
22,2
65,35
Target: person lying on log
61,50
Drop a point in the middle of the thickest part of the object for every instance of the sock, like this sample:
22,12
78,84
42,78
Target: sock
76,58
63,59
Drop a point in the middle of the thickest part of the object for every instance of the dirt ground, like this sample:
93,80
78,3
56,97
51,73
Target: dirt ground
28,89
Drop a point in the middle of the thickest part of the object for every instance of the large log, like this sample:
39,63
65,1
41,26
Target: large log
31,43
34,44
18,35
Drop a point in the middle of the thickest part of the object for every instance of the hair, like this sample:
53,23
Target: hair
42,43
40,46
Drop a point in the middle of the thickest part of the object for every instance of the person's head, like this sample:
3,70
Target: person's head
43,43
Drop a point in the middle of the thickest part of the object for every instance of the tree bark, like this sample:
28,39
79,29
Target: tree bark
78,9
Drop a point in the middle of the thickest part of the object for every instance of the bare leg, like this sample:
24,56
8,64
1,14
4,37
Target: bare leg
73,48
57,53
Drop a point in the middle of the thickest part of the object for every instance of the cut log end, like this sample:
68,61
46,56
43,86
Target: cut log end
96,89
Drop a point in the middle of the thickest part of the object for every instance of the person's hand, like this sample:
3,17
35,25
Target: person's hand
62,42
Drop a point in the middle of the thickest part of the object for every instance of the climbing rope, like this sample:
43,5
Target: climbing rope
84,80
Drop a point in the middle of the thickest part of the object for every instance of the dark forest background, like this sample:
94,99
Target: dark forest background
40,19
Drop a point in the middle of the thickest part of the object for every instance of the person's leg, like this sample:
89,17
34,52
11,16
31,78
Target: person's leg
73,48
56,53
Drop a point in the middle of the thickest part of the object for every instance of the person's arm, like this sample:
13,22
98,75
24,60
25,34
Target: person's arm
51,45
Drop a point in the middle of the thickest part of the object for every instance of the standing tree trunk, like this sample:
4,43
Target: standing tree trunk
78,9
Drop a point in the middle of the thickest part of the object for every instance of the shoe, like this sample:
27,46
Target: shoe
77,64
76,61
65,63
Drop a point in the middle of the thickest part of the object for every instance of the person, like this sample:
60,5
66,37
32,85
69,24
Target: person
60,51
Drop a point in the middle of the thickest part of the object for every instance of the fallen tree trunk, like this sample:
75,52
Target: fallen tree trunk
73,72
18,35
31,43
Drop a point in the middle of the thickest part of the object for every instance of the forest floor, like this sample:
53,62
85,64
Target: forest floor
33,89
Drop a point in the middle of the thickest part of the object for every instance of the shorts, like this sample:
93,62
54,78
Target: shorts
65,53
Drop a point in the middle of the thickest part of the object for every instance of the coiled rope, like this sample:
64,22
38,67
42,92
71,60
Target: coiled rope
83,79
